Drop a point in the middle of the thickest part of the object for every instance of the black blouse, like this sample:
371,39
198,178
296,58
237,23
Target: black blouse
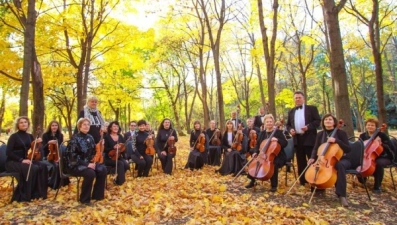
18,145
340,138
388,147
48,136
80,150
110,143
162,138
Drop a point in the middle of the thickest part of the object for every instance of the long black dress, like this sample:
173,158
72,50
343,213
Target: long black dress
122,164
36,187
234,160
138,145
214,152
54,181
161,145
197,159
79,153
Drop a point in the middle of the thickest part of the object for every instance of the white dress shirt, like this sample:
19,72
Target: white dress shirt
299,120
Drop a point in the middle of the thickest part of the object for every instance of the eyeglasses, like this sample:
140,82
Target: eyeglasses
132,125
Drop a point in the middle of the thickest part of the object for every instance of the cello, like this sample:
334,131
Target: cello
372,149
262,167
322,173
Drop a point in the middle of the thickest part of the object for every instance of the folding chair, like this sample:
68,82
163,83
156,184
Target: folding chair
289,151
393,164
356,156
3,172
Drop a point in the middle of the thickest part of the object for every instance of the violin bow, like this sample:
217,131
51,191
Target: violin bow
117,158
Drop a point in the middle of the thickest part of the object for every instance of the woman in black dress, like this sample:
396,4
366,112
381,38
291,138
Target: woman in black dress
143,161
17,150
113,141
97,122
383,159
280,159
233,159
79,157
214,148
197,158
53,138
165,133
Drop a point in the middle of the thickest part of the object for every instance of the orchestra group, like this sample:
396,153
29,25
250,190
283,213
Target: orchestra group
256,150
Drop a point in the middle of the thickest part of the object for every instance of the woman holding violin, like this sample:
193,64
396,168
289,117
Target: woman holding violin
198,148
234,145
252,133
52,138
329,124
214,148
280,158
387,155
165,145
34,186
114,144
79,160
141,154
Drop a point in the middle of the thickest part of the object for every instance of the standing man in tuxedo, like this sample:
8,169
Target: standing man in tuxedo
234,120
302,124
258,121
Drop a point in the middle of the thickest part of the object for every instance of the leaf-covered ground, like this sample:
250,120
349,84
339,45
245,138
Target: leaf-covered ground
202,197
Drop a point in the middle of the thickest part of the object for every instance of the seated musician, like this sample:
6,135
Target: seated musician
114,141
197,157
79,157
279,160
143,161
387,155
165,135
233,158
214,151
247,130
149,129
52,137
328,123
17,162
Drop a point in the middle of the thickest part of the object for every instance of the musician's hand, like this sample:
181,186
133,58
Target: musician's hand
53,142
310,161
274,139
39,140
172,138
378,140
163,153
254,155
141,157
26,161
191,148
229,149
292,132
150,136
91,166
239,131
305,128
331,140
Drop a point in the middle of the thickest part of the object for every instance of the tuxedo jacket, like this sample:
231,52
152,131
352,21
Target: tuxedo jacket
258,121
312,120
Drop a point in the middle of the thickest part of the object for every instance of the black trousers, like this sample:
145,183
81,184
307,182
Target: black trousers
122,167
302,154
278,163
54,180
143,165
99,174
341,166
166,162
35,187
214,155
381,162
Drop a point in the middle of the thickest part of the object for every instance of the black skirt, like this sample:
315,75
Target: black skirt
195,160
232,163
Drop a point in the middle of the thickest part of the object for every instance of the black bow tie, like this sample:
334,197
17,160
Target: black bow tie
298,107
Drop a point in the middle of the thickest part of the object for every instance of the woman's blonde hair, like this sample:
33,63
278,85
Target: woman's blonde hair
16,128
267,116
91,99
81,121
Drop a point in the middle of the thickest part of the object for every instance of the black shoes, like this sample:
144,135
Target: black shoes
377,191
251,184
273,189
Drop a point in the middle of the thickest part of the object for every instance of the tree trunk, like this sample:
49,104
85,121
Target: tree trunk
269,52
2,108
38,94
338,70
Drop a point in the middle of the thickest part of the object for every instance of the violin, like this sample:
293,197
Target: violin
53,152
262,167
372,149
171,144
216,140
150,144
34,151
120,148
98,157
238,139
201,142
322,173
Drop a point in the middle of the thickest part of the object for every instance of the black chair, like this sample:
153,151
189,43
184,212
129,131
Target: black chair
393,164
63,176
3,172
156,161
289,152
356,156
